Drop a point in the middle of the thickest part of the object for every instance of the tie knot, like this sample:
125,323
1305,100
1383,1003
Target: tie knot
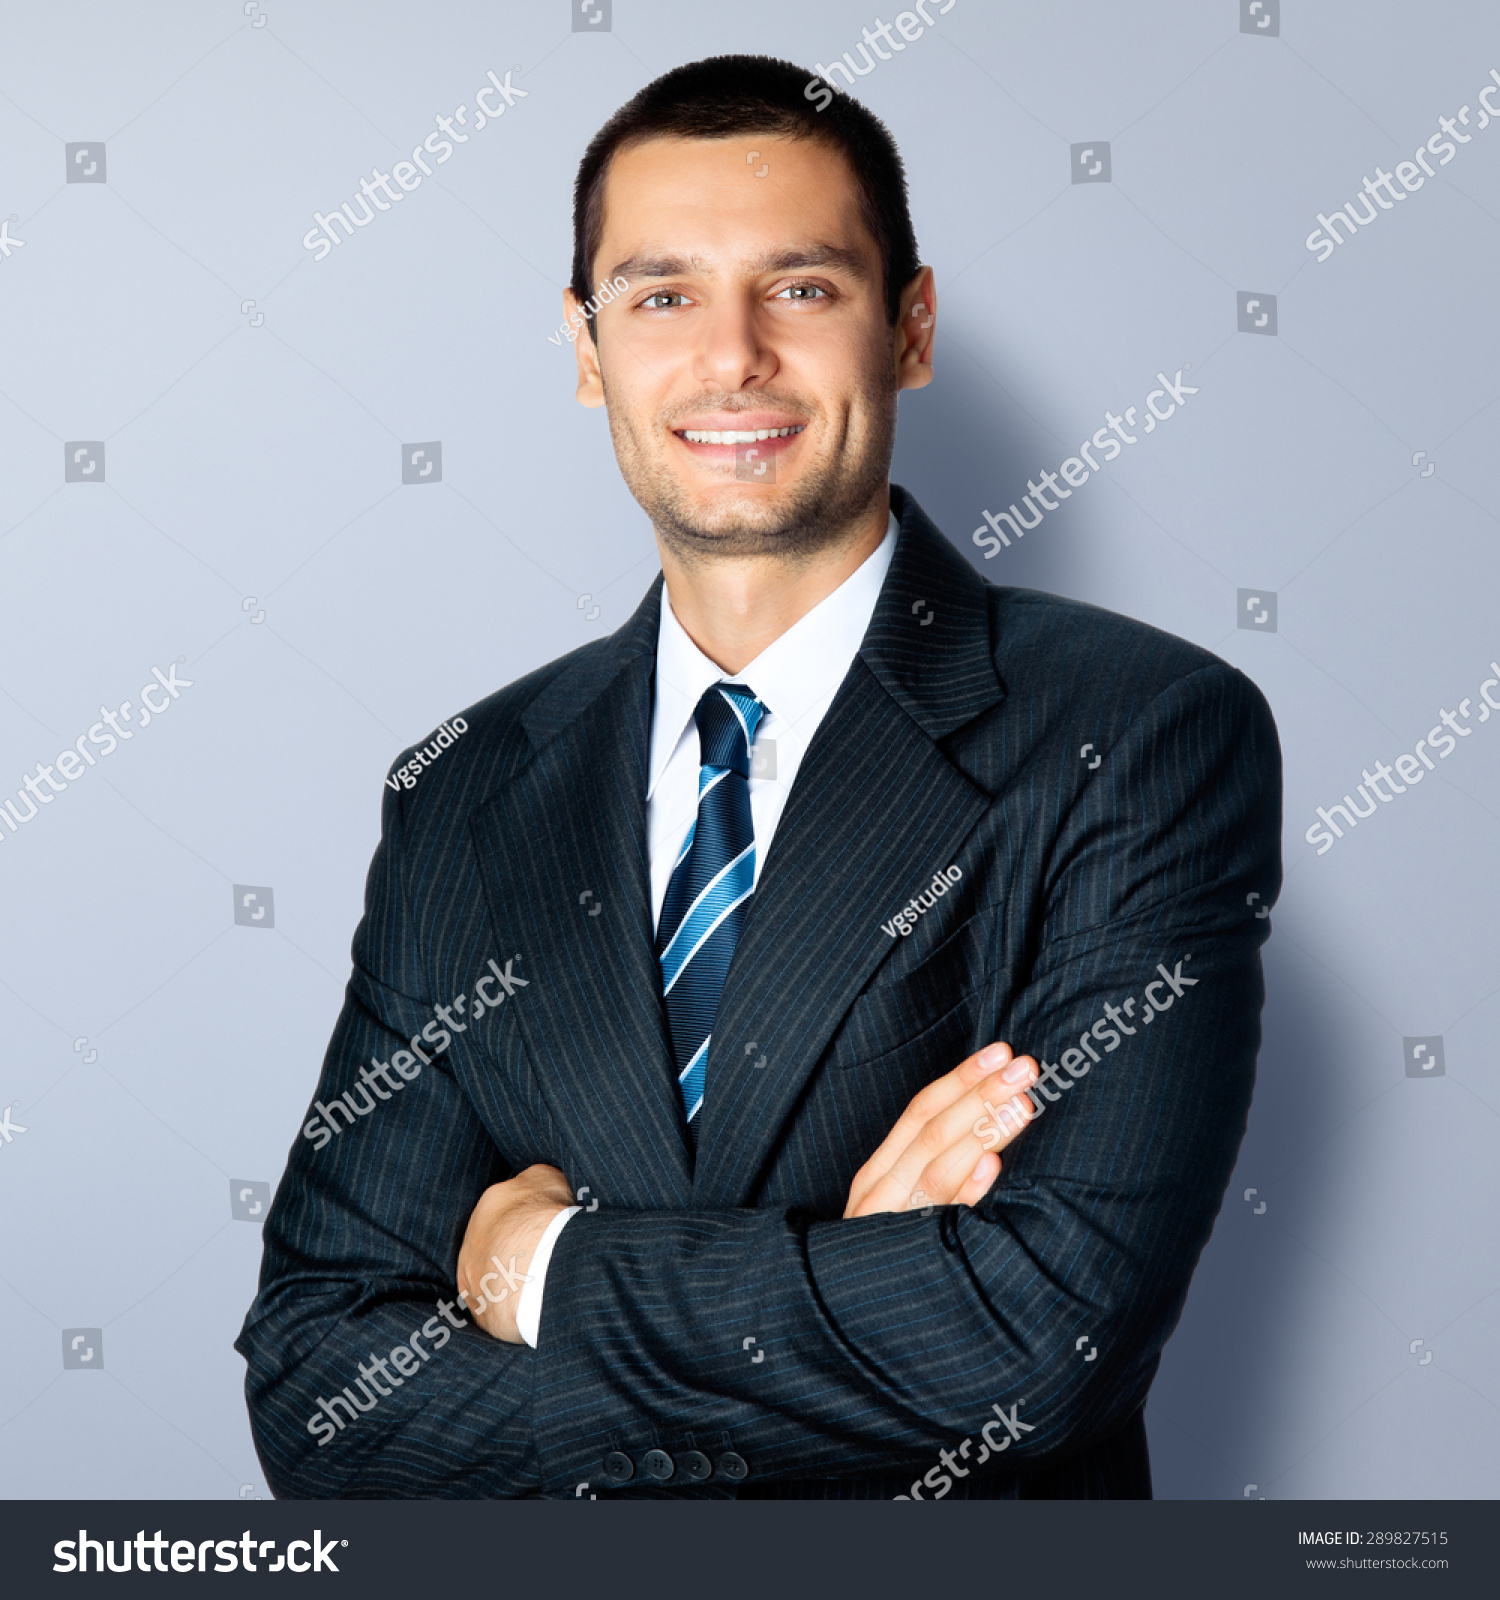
727,717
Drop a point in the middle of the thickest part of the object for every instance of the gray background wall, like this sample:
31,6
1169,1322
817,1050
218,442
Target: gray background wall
250,523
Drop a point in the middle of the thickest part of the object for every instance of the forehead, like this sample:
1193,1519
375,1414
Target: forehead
701,200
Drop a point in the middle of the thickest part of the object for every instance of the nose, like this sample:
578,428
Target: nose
732,354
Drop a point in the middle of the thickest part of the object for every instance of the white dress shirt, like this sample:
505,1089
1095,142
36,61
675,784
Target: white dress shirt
795,677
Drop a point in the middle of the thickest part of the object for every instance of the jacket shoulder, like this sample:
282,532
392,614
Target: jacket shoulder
489,741
1084,656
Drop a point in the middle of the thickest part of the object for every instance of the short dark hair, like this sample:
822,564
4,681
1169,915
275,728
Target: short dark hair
723,96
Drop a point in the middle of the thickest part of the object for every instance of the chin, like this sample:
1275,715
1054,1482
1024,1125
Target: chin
728,513
749,525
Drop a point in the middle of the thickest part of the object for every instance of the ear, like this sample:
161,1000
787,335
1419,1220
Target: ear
590,384
915,330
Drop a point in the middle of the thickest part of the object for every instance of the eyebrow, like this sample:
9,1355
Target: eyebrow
794,259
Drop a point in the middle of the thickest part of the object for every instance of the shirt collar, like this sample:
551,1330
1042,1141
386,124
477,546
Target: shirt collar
794,675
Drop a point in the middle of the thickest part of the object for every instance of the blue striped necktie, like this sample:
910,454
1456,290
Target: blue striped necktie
711,884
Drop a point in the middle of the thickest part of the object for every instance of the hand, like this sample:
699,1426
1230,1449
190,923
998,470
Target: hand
944,1149
503,1231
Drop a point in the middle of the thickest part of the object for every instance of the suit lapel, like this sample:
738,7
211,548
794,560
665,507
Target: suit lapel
876,810
562,850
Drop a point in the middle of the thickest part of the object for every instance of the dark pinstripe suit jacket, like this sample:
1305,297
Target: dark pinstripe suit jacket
720,1305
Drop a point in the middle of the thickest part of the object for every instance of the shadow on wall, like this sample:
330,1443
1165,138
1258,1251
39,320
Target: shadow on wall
964,444
1212,1419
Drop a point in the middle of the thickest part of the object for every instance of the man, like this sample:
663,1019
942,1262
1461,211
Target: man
679,1035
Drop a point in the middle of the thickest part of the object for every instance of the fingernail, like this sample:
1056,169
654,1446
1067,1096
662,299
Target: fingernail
992,1056
1018,1071
978,1172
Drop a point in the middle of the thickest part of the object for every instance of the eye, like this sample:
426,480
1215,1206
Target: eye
801,292
664,300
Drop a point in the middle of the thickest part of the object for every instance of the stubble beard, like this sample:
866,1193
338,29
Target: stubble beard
816,513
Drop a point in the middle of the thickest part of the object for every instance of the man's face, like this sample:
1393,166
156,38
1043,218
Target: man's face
749,370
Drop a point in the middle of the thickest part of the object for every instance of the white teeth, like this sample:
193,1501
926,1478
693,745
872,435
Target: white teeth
736,435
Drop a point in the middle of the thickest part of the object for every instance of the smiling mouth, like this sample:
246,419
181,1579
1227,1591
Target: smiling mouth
736,435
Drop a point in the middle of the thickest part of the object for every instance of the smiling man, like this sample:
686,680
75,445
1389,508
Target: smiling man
794,867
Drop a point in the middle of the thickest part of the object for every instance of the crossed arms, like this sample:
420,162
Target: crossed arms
886,1331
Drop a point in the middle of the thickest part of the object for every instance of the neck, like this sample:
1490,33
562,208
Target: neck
733,608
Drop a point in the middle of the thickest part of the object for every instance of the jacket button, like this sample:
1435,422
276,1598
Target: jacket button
695,1465
657,1464
618,1467
733,1467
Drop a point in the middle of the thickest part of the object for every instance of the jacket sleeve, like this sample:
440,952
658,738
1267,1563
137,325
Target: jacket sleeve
888,1337
360,1246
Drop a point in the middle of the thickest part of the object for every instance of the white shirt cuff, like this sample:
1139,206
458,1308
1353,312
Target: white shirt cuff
529,1307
